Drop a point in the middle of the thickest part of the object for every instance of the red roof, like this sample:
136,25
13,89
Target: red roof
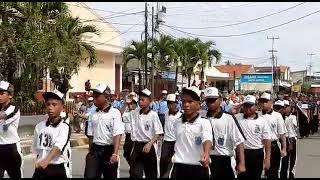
238,69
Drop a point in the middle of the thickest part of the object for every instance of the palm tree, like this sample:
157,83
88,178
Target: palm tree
164,49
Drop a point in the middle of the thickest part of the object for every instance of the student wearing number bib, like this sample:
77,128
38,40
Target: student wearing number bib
146,129
169,139
52,140
193,136
105,130
10,151
227,135
257,147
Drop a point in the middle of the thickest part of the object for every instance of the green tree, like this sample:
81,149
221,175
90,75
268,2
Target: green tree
36,36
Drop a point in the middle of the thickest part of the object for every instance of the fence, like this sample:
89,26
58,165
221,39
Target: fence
39,108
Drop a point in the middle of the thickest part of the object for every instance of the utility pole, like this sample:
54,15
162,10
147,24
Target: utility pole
146,44
273,63
152,58
310,65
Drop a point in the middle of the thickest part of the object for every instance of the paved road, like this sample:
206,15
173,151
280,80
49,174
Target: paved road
307,164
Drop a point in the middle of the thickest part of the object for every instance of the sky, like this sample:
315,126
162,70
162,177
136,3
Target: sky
296,40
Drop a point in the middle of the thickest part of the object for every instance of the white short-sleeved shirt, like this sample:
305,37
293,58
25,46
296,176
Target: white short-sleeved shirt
9,125
145,126
46,136
255,130
276,124
104,125
169,131
291,124
189,140
126,119
226,134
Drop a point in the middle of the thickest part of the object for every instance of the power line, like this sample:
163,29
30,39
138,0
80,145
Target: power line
209,10
242,22
243,34
121,33
111,17
96,9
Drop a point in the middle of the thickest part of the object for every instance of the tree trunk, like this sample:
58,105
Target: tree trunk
176,78
189,80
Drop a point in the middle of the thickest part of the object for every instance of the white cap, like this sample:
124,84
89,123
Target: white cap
112,92
164,92
171,97
193,89
54,94
135,98
145,92
286,103
279,103
133,94
90,99
249,99
211,92
304,106
266,96
102,88
177,93
5,86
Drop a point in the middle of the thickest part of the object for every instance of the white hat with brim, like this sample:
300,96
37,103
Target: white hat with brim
55,94
249,99
146,92
279,103
6,86
266,96
193,91
211,92
171,98
101,89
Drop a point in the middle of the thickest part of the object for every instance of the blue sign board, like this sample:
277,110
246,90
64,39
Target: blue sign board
256,78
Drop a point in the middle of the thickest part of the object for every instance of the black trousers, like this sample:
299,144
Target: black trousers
98,162
304,126
10,161
141,162
289,161
162,118
275,159
314,123
167,152
220,167
127,147
187,171
254,164
52,171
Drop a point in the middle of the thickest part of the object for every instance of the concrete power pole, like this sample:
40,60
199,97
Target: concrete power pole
146,44
273,63
310,65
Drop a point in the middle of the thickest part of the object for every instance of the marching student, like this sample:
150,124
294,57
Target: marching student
10,151
161,107
226,136
257,147
131,102
105,129
194,138
146,129
169,138
51,142
278,132
289,161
